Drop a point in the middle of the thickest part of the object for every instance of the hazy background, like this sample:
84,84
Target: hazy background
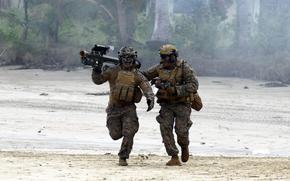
239,38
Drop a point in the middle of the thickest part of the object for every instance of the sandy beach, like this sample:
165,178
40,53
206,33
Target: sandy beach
53,128
47,167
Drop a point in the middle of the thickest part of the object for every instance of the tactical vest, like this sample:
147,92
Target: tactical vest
125,88
175,78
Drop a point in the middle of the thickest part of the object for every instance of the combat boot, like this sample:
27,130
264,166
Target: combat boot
174,161
123,162
184,153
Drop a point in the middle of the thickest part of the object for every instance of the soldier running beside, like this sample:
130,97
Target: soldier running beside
177,87
126,83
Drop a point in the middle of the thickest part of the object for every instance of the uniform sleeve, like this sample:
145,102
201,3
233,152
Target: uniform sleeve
99,78
145,86
190,82
151,73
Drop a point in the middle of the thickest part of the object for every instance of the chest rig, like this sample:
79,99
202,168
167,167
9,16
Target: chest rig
174,77
125,88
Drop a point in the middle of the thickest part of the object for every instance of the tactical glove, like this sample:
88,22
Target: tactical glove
97,69
150,104
162,85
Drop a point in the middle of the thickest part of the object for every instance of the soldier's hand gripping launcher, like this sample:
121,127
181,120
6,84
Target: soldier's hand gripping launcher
97,57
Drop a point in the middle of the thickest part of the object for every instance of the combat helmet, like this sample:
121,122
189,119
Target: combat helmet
168,49
127,52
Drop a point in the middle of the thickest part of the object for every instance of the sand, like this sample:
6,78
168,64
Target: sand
53,128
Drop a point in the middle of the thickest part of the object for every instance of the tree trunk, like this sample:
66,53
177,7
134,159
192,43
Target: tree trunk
122,22
54,27
16,4
161,32
25,28
162,23
4,4
247,11
20,3
148,7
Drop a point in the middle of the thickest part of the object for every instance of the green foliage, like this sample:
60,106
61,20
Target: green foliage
10,26
196,33
133,8
58,29
144,28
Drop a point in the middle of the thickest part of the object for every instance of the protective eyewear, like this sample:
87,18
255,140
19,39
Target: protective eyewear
164,56
128,56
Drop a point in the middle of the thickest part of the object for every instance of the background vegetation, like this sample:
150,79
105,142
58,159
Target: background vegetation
241,38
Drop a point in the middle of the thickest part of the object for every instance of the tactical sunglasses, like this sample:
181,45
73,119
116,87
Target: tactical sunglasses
164,56
128,56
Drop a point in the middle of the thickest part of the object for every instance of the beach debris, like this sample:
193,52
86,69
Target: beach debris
41,129
98,93
216,81
273,84
144,157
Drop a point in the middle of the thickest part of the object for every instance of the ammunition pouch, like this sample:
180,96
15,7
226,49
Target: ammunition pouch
168,96
127,93
125,89
162,94
194,99
123,93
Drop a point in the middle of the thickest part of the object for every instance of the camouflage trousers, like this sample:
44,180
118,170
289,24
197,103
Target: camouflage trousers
175,115
123,122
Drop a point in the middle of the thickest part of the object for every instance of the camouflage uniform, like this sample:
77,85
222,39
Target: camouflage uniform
122,120
175,102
